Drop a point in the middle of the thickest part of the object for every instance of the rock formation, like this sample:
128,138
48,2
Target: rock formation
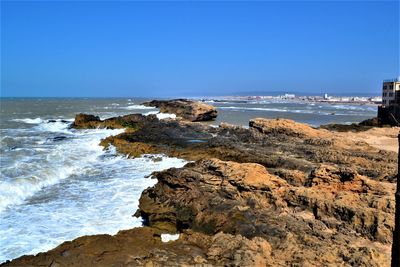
278,193
186,109
280,145
143,247
335,214
85,121
355,127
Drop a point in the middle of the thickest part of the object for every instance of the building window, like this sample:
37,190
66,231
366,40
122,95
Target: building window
390,94
391,87
384,87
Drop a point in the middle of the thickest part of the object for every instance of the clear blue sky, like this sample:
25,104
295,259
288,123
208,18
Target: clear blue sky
196,48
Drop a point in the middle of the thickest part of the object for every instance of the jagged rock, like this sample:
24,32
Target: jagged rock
132,121
85,120
279,193
186,109
274,144
143,247
238,214
202,191
337,211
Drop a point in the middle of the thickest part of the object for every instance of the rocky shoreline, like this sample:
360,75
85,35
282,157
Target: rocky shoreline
185,109
278,193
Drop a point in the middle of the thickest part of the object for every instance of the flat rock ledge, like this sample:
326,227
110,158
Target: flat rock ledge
186,109
278,193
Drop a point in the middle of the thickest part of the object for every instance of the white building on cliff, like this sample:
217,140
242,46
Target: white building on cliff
391,92
389,111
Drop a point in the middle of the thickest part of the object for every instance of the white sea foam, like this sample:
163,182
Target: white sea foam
307,110
132,107
160,115
251,108
29,121
168,237
57,126
352,107
151,112
28,175
69,188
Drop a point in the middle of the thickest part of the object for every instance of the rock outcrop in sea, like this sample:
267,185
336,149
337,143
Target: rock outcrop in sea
186,109
278,193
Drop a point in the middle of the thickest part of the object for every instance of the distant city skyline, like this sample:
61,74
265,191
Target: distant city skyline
182,48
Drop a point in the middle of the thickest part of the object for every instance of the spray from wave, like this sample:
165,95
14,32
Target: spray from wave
57,184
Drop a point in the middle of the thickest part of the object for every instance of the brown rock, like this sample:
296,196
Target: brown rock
287,127
270,144
186,109
280,193
143,247
336,211
85,120
132,121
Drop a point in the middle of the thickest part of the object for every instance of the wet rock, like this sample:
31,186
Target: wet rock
374,122
275,144
62,121
132,121
143,247
354,127
186,109
59,138
85,120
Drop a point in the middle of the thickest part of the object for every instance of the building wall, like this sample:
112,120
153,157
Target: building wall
390,92
389,115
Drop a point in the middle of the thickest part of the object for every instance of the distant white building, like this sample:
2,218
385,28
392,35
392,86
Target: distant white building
289,95
376,99
326,96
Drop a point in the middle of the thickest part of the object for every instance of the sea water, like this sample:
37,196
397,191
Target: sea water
315,114
57,183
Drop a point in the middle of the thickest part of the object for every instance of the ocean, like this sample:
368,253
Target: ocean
57,183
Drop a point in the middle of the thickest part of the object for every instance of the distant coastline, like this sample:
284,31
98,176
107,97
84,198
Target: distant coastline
363,100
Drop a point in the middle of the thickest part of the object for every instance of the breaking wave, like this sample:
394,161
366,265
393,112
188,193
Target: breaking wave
61,183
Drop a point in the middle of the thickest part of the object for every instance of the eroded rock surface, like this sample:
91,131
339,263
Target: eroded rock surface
86,121
143,247
283,146
186,109
335,218
239,214
278,193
